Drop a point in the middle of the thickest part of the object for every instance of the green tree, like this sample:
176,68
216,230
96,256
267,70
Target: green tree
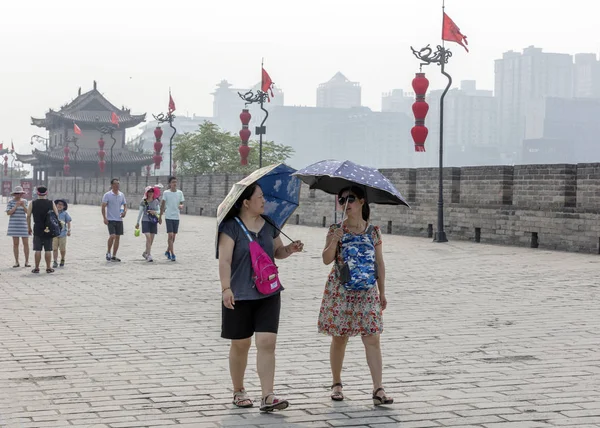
211,150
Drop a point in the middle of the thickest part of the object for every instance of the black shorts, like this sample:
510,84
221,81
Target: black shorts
44,242
172,226
149,227
251,316
115,227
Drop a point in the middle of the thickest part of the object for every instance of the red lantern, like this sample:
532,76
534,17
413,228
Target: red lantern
420,109
66,159
101,154
66,150
245,135
157,160
158,132
101,143
420,84
102,165
419,135
66,169
245,117
158,147
244,152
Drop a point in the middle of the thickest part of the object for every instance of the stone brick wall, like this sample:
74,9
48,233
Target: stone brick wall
543,206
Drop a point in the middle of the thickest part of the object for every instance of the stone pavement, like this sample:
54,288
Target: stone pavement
476,336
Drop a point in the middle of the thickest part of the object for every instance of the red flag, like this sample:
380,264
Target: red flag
451,32
76,129
171,103
114,119
1,146
267,83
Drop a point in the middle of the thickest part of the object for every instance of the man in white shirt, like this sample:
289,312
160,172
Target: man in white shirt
171,206
113,214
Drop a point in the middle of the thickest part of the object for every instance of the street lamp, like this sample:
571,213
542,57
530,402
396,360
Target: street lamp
39,139
250,98
73,139
169,117
106,130
440,57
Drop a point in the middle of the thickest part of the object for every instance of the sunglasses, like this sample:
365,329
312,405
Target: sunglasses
350,198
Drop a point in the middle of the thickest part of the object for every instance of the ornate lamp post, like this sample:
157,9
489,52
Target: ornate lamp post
39,139
250,98
72,139
169,117
440,57
5,165
101,154
106,130
148,167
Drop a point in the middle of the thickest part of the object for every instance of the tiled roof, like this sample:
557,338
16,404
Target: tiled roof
89,108
89,155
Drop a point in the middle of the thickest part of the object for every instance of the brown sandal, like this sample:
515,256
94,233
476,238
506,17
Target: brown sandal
241,399
337,395
384,399
275,404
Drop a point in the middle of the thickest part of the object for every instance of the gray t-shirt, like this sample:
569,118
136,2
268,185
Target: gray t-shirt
154,205
242,285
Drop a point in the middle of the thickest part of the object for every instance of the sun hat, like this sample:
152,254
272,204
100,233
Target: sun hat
17,190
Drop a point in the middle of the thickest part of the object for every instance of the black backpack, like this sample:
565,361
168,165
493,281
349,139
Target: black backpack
53,226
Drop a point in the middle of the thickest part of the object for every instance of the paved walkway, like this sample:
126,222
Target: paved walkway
476,336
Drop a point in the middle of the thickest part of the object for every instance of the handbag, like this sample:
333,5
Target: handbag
151,217
266,275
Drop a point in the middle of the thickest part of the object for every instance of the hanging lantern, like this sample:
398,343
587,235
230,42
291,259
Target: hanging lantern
157,160
245,133
66,169
102,165
419,135
101,143
244,152
66,159
158,132
66,150
158,147
420,109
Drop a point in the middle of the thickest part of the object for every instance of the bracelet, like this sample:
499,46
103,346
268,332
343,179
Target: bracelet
225,289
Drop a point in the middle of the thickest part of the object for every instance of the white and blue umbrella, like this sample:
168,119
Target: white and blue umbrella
331,176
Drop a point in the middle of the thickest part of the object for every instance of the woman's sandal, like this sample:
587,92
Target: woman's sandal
17,265
36,270
241,399
337,395
379,401
49,270
276,404
27,265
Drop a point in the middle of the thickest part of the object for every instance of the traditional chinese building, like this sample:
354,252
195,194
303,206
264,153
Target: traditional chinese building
93,115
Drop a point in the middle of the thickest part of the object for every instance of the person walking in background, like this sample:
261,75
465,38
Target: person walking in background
352,305
148,214
16,209
245,310
42,240
113,215
60,242
171,206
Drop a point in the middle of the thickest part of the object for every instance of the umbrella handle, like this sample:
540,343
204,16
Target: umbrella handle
275,226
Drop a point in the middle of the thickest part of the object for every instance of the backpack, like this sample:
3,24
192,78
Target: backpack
266,277
359,270
53,226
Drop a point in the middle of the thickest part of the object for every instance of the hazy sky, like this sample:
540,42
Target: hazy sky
136,49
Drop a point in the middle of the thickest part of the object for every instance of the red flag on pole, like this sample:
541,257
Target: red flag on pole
267,83
114,119
451,32
171,103
76,129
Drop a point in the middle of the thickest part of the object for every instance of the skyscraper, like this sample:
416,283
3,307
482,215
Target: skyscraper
339,92
586,76
521,80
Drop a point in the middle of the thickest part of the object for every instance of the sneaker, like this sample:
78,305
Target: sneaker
62,263
173,258
115,259
144,255
149,258
168,255
108,257
55,264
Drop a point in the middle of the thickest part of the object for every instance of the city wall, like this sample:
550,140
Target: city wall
543,206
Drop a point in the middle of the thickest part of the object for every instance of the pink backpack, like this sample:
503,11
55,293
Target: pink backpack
266,275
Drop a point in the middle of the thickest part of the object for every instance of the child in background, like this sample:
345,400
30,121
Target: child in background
60,242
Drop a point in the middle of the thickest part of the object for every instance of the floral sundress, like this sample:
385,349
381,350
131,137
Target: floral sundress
349,313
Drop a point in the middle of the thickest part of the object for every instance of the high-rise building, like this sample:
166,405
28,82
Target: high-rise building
522,79
339,92
470,126
397,101
586,76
